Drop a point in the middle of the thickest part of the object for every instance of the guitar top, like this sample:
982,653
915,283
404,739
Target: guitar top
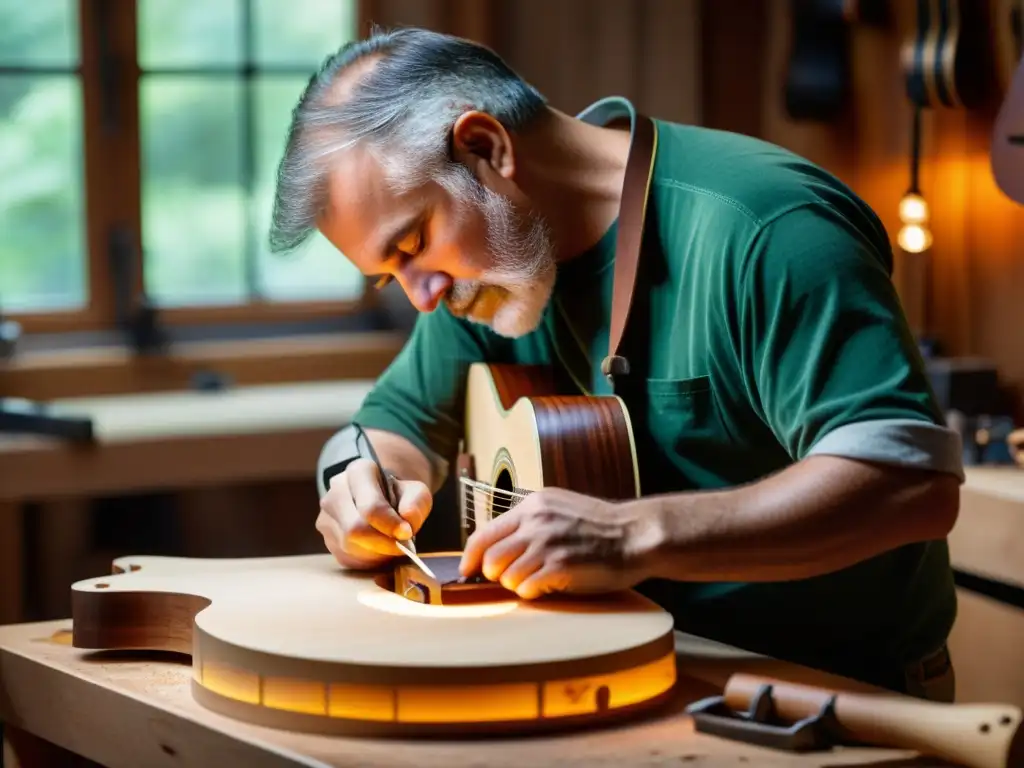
301,643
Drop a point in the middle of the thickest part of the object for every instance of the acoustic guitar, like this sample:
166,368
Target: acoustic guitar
819,72
523,434
1008,133
944,60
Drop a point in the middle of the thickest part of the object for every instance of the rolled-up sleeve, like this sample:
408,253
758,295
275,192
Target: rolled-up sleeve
826,351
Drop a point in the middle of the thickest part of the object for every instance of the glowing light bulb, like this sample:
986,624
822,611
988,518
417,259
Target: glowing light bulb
913,209
914,238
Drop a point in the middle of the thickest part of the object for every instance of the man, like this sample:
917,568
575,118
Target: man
798,478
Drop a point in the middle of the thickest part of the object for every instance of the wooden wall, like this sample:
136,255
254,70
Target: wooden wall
722,63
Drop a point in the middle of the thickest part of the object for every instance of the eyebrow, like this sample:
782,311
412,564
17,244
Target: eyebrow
396,233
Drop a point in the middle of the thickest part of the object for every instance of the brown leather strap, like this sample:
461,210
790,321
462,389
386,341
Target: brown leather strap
632,212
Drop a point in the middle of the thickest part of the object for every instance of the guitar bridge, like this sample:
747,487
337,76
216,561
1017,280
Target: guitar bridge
449,587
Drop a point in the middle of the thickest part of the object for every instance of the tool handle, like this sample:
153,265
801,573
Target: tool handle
972,735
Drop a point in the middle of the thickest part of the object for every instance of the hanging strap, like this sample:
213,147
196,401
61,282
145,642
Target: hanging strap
630,235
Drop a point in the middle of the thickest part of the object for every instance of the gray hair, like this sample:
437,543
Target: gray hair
401,110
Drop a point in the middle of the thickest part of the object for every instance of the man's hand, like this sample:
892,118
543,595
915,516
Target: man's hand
359,526
559,541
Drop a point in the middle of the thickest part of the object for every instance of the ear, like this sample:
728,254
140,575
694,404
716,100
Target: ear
481,143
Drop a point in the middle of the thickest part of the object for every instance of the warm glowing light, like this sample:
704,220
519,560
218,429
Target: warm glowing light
468,703
913,209
353,701
506,702
618,689
230,681
914,238
385,600
295,695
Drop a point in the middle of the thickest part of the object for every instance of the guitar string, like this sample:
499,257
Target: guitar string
502,506
471,513
492,489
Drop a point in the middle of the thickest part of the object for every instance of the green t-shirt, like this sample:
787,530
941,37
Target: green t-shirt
765,328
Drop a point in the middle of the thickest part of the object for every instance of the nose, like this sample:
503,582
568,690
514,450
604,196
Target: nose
426,289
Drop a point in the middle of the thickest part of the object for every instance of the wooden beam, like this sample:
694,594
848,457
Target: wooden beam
116,371
159,441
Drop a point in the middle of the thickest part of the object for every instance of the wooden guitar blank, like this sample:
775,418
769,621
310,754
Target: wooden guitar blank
303,644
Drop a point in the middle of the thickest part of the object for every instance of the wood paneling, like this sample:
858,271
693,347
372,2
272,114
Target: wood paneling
578,51
968,289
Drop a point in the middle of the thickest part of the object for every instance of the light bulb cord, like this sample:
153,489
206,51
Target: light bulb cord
915,150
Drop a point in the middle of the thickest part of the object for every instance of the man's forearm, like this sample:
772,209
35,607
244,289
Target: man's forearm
395,453
401,457
818,516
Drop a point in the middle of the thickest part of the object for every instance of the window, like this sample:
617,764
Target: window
43,262
138,145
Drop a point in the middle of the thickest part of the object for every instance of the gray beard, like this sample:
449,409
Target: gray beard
522,254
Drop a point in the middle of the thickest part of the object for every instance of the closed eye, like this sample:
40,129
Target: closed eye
408,248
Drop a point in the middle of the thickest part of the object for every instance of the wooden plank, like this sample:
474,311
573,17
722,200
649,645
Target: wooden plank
986,650
57,374
78,699
988,538
155,441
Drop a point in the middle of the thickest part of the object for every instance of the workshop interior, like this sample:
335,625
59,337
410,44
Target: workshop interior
167,385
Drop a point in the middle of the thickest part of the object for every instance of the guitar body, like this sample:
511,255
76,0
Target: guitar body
302,644
1008,132
521,436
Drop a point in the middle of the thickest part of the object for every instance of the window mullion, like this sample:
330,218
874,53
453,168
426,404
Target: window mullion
248,149
110,88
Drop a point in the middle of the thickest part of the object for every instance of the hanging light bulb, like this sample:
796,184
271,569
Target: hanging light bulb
914,236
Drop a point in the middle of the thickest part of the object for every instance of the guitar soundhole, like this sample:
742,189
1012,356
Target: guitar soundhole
502,498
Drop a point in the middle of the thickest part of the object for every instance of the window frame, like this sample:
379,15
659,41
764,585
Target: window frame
107,31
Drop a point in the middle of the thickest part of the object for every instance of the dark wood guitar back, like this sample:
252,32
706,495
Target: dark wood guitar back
585,441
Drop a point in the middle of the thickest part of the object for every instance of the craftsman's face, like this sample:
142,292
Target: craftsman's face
472,241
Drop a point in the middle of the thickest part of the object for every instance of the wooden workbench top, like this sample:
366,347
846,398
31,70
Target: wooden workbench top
171,439
988,538
125,710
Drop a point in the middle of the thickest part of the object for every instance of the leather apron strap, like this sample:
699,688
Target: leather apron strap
632,213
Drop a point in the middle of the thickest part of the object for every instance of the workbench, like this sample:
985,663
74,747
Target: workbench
156,441
135,710
986,548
